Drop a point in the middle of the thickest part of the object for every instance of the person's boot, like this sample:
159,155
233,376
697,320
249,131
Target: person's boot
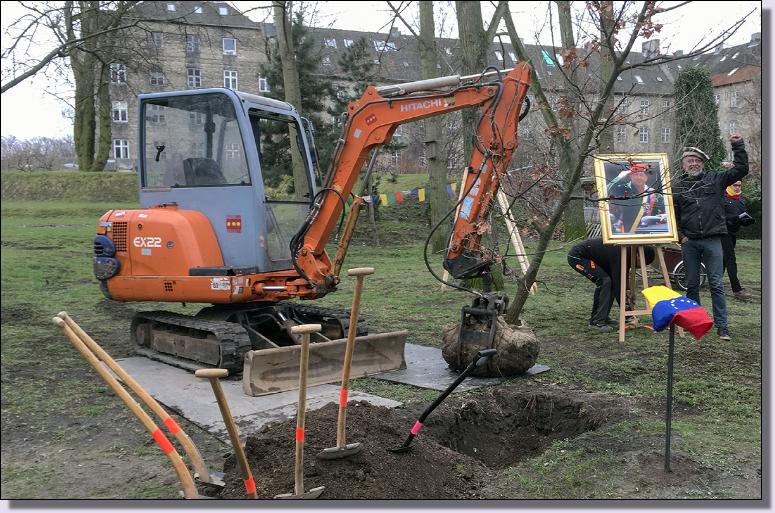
723,333
742,295
600,326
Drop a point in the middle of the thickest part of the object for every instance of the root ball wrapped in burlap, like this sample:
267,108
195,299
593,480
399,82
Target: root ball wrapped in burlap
517,350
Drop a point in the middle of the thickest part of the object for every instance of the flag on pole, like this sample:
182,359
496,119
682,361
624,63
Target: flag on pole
668,306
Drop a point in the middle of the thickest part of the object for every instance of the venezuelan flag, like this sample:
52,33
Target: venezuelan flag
668,306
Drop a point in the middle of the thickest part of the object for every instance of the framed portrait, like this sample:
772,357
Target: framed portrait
635,199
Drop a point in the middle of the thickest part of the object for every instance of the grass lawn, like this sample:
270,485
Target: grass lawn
66,436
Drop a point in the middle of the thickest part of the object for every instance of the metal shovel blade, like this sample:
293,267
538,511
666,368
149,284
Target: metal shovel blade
402,449
314,493
337,453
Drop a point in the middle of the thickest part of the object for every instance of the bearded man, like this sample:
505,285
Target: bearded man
698,196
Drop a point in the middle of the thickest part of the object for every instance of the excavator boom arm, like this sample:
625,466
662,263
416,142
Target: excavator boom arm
371,122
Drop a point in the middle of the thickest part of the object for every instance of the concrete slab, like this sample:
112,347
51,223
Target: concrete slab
425,367
193,398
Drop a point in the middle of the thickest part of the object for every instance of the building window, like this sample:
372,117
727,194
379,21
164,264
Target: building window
666,104
644,106
448,50
230,79
513,57
659,79
198,9
223,10
196,118
624,106
732,127
192,44
120,112
638,79
717,98
666,134
498,55
155,40
171,7
157,78
733,99
156,115
118,73
341,94
330,43
396,158
621,134
384,46
348,43
232,151
644,134
120,148
326,60
229,46
263,84
194,77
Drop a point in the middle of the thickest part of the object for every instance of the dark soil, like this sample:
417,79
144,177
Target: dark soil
463,442
430,471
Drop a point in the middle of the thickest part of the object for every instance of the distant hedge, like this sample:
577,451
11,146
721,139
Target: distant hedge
69,185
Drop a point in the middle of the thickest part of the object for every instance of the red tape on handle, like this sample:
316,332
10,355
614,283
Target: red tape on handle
162,441
416,427
343,397
172,425
250,485
299,434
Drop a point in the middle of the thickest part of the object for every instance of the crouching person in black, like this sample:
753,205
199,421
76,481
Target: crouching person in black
601,264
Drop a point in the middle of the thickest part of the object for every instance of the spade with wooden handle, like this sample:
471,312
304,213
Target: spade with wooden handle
214,375
343,449
298,493
189,488
202,472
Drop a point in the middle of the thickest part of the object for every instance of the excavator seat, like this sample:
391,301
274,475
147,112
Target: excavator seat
202,171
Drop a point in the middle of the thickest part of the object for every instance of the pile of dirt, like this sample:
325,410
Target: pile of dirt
517,349
430,471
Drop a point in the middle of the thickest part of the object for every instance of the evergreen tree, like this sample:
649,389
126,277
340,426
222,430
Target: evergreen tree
316,92
697,115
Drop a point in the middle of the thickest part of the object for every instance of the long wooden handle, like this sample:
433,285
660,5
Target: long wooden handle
189,488
301,411
348,356
231,427
173,427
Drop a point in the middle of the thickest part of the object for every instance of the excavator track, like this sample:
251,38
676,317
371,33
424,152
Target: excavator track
189,342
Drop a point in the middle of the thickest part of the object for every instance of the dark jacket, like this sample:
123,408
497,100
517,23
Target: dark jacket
733,208
698,201
606,256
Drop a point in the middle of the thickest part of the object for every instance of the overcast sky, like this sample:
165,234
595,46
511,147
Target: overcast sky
27,111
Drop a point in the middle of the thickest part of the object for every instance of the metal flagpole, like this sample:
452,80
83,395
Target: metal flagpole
669,401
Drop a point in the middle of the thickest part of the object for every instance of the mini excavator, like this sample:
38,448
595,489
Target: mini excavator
231,215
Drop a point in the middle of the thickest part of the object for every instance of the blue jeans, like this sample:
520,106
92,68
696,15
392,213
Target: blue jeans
710,252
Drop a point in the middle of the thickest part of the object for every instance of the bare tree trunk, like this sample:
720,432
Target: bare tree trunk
606,136
437,169
473,50
282,22
573,219
105,116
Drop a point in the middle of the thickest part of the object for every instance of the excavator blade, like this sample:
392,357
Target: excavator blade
275,370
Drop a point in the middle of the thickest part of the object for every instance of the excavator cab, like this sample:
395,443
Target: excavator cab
244,161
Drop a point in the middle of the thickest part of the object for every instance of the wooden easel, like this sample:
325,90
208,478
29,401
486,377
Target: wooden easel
637,249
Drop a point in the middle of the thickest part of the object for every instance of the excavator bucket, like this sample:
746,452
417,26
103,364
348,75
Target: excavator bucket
273,370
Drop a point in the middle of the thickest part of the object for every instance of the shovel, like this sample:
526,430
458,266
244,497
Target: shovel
214,375
304,330
343,449
480,359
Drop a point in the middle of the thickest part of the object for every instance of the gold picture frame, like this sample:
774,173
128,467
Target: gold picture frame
635,199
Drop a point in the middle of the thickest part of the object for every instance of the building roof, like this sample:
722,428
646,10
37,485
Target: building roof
219,14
